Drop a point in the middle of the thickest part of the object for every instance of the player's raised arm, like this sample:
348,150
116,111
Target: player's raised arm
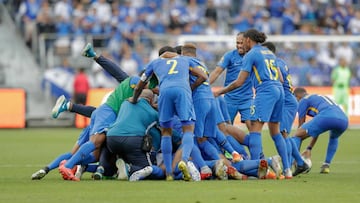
139,87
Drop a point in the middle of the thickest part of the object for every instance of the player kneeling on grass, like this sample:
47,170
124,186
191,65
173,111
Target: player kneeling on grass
327,116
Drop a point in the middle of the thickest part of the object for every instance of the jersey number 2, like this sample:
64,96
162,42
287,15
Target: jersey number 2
173,66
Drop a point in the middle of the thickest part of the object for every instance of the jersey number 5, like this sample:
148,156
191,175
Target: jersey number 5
173,66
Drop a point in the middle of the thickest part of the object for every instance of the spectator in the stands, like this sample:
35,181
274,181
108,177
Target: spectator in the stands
45,18
290,19
157,23
313,73
103,11
210,11
126,9
242,21
128,64
27,14
63,9
306,51
344,50
264,24
176,25
307,10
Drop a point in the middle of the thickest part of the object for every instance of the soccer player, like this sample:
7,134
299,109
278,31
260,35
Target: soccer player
83,138
327,116
101,119
259,64
340,77
62,104
239,99
174,99
126,135
206,111
289,111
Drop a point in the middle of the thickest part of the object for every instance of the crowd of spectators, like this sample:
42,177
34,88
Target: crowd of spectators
125,28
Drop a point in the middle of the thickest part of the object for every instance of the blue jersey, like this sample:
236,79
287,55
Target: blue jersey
327,116
204,90
133,119
290,102
260,62
232,62
171,72
288,88
175,93
314,104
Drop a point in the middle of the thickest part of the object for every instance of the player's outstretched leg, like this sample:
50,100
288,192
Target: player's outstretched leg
141,174
60,106
88,51
39,174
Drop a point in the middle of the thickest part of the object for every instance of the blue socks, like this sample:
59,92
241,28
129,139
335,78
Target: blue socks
297,142
211,163
281,149
83,151
187,145
255,145
222,141
295,153
196,157
246,140
55,163
331,150
91,168
248,167
289,149
166,148
237,146
90,158
157,173
209,150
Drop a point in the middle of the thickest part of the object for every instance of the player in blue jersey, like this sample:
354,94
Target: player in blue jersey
239,99
83,138
206,111
327,116
124,138
289,111
101,119
175,98
259,64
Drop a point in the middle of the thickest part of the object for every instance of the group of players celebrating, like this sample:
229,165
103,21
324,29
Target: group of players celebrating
168,123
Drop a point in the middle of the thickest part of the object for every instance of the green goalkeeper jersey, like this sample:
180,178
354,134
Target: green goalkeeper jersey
341,77
124,91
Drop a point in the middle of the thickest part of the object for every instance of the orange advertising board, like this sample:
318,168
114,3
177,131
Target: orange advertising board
12,108
94,98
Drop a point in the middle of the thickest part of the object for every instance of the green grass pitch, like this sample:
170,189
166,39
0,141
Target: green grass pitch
27,150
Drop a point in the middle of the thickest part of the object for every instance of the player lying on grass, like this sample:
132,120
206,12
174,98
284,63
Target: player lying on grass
84,137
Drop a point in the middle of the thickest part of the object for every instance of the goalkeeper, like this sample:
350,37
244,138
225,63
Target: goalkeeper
340,78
